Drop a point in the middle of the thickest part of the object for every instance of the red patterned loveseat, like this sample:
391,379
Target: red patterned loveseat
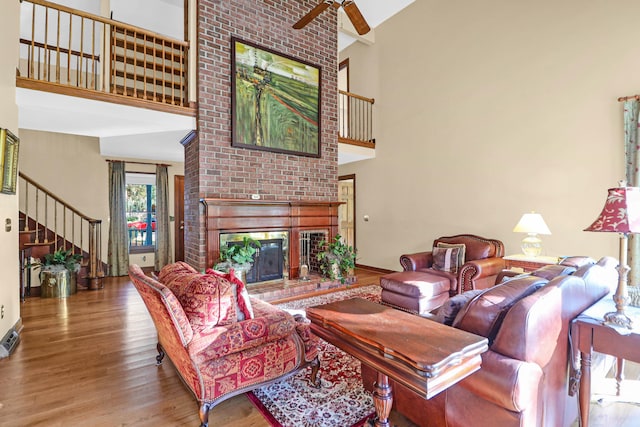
221,341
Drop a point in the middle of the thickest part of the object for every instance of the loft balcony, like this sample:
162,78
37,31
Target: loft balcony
355,136
81,73
68,51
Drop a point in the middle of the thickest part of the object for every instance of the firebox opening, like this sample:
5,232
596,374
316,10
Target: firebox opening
271,259
310,247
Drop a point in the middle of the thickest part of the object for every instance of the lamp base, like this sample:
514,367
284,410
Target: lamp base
532,245
616,318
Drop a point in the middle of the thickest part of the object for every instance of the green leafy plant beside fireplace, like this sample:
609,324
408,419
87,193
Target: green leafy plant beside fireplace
337,260
238,257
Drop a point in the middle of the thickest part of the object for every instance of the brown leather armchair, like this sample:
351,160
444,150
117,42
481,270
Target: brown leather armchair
421,288
483,262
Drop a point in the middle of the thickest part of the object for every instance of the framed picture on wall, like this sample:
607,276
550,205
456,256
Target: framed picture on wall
9,145
275,101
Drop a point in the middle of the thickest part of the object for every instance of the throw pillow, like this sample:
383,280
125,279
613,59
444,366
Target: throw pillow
445,259
170,274
449,310
240,293
461,252
208,301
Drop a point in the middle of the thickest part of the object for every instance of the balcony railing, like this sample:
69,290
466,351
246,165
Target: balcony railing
355,119
72,49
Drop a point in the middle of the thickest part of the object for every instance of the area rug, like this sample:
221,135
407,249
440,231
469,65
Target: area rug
341,399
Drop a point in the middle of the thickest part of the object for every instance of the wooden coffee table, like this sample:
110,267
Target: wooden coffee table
423,355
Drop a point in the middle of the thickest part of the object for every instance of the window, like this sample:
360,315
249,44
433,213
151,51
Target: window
141,211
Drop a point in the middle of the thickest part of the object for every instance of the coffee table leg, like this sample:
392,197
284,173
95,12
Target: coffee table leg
382,400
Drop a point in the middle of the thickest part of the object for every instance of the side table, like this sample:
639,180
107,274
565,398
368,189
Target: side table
589,334
527,263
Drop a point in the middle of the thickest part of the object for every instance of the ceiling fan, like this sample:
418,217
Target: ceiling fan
349,8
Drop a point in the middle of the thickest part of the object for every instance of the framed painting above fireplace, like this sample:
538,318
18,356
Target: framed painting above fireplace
275,101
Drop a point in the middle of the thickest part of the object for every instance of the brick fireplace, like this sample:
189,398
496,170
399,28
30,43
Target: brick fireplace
293,186
302,223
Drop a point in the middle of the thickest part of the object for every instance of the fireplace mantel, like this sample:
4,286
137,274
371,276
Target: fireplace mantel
245,216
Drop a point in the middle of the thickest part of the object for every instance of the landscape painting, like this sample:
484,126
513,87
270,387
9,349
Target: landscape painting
275,101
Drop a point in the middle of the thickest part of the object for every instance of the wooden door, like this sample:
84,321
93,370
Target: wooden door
178,207
347,210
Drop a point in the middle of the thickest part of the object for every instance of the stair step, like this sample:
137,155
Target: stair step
39,249
26,236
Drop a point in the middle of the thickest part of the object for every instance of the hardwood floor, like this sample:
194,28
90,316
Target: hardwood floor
90,360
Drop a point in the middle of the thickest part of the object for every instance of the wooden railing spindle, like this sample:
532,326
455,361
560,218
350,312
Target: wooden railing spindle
58,49
47,53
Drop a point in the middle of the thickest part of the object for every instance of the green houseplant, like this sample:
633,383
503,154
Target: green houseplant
238,257
58,273
62,259
337,260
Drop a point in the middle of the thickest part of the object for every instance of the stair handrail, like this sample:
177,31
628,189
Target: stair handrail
59,199
93,248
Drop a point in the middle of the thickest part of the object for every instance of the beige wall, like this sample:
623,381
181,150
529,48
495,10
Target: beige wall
10,283
72,168
487,110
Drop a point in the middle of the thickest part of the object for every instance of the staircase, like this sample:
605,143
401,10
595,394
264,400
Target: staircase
47,223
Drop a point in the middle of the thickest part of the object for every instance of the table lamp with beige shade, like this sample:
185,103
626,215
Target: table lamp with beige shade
533,224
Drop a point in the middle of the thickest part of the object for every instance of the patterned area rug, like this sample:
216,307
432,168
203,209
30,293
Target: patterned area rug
341,401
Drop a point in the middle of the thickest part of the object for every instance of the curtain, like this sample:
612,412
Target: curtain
163,240
118,252
632,161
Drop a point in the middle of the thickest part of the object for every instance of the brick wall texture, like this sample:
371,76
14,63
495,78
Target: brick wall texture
213,168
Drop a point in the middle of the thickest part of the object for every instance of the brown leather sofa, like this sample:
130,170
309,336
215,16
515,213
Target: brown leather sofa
421,288
523,380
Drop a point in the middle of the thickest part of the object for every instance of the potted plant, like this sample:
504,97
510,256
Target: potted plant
58,273
337,260
238,257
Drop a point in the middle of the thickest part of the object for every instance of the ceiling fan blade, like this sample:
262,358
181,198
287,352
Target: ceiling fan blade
312,14
356,17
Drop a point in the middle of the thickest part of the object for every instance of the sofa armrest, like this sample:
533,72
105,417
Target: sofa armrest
219,340
478,269
309,340
414,262
509,383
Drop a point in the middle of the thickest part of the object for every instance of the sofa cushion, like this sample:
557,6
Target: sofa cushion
462,250
483,315
550,271
446,259
206,299
577,261
449,310
270,324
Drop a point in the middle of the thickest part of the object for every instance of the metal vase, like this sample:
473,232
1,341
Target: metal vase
56,284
